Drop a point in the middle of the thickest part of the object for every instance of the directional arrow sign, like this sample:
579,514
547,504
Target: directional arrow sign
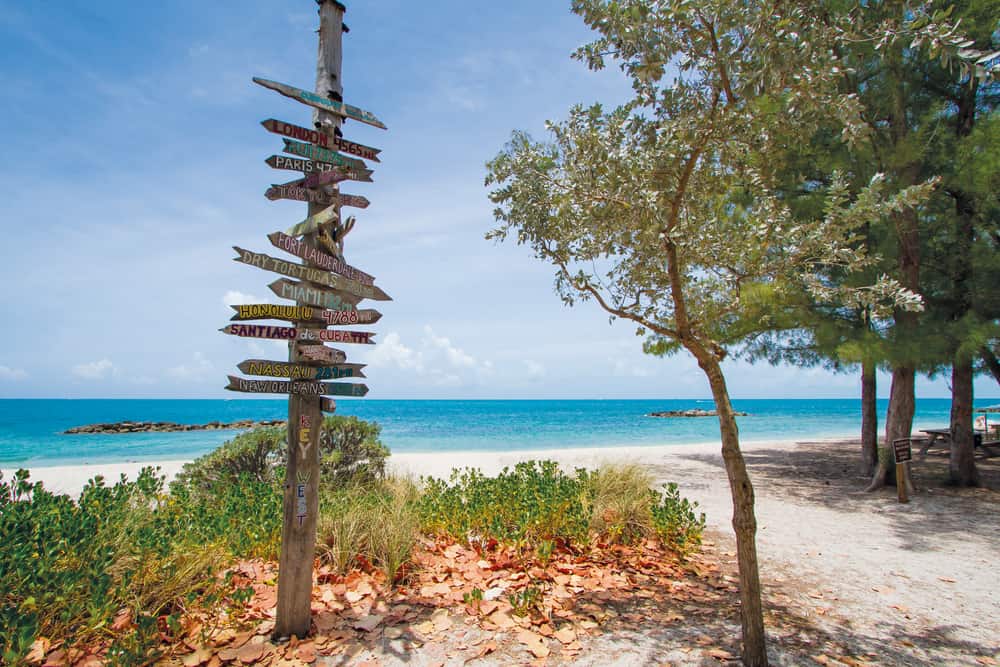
295,191
294,333
320,173
273,311
289,289
320,154
284,369
320,102
303,388
310,224
321,139
321,353
313,275
270,311
300,248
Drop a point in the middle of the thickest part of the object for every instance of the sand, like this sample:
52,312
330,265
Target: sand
858,573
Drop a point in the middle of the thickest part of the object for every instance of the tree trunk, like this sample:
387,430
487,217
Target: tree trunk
744,520
898,423
869,419
961,464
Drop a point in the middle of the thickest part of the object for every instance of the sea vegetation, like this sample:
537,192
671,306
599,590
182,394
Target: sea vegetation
121,565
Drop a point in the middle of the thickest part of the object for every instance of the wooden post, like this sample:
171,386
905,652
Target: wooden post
902,453
301,500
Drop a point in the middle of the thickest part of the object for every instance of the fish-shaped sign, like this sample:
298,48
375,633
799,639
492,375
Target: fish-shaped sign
327,405
296,387
313,275
320,353
271,311
330,142
320,102
312,223
284,369
319,154
300,334
300,248
313,296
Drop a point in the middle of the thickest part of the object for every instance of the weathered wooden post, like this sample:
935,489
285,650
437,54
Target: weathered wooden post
326,296
903,454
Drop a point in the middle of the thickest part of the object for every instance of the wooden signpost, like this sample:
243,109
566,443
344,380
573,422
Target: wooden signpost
321,173
284,369
318,138
313,296
298,333
320,102
300,248
903,454
320,154
271,311
326,295
311,274
296,387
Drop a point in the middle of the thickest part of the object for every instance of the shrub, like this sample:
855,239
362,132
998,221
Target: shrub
533,502
620,503
676,521
349,449
376,522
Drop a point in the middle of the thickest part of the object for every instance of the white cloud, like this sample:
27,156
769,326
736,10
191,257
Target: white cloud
626,369
7,373
95,370
392,352
199,368
536,371
235,298
436,358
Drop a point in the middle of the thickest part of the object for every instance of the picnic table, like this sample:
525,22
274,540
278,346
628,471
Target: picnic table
944,435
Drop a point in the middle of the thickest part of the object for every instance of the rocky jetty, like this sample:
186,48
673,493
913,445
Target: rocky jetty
691,413
167,427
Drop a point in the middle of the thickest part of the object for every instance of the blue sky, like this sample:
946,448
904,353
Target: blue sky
135,160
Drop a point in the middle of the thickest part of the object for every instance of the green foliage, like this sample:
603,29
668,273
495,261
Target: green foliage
676,519
537,508
349,448
533,502
374,523
68,568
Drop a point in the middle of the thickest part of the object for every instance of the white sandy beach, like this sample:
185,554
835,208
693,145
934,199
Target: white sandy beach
915,582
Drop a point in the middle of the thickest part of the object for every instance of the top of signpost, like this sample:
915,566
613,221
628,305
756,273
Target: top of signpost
340,5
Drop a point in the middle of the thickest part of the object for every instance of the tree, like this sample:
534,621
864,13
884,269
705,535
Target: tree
665,211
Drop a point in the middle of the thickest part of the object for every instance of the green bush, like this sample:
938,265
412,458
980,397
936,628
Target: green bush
676,521
349,448
536,507
533,502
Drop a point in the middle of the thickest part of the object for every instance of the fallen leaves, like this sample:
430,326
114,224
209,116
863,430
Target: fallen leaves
534,642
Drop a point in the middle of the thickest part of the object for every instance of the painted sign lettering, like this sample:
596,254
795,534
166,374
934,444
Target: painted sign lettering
310,224
327,405
288,289
300,248
321,139
273,311
320,154
319,173
321,354
292,270
294,333
336,336
320,102
296,192
284,369
294,387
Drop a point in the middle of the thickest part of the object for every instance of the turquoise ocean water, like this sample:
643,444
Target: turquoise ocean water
31,429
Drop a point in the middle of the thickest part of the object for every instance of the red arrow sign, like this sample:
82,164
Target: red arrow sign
321,139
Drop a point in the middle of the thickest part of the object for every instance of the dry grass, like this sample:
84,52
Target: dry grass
621,503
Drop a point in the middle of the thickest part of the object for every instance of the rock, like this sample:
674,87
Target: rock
166,427
691,413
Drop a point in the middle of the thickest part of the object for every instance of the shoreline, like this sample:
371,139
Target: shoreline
71,478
